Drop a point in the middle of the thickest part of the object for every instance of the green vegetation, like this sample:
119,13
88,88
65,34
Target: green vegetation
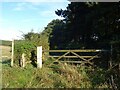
52,76
38,39
88,25
29,46
23,46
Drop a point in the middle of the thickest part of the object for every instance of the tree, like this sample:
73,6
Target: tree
55,33
91,23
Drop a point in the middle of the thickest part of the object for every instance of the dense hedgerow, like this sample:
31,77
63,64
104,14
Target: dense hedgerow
24,46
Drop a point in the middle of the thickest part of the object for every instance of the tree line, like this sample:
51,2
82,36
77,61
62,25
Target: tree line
88,25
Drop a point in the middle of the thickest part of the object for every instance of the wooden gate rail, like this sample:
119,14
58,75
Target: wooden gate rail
85,50
74,56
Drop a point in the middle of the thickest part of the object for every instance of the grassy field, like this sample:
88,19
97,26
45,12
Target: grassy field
5,42
5,54
6,50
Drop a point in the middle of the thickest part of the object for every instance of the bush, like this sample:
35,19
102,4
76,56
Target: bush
38,39
23,46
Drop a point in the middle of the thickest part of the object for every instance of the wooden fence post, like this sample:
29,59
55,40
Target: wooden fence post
12,57
23,60
39,57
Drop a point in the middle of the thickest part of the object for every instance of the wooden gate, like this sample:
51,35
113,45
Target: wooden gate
85,56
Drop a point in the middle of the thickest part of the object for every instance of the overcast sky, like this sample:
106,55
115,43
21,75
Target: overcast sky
22,16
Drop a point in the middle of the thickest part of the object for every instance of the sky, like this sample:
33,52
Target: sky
21,17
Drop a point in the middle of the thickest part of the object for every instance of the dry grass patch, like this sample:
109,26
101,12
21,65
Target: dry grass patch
5,50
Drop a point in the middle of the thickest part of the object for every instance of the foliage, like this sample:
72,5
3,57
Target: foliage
55,34
98,78
39,39
90,24
23,46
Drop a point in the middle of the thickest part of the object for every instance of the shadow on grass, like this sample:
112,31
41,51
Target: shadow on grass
34,64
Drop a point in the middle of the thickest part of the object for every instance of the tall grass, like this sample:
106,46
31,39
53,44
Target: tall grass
59,75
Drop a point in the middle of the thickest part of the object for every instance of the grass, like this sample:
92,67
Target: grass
15,77
53,76
31,77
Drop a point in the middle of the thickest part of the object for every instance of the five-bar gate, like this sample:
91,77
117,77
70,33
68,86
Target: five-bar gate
85,55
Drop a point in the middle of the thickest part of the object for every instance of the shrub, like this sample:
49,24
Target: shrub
23,46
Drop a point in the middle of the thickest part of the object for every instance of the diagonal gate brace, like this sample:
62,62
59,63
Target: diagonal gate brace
62,56
81,58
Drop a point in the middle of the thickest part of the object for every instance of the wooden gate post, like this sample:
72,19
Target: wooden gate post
39,57
12,56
